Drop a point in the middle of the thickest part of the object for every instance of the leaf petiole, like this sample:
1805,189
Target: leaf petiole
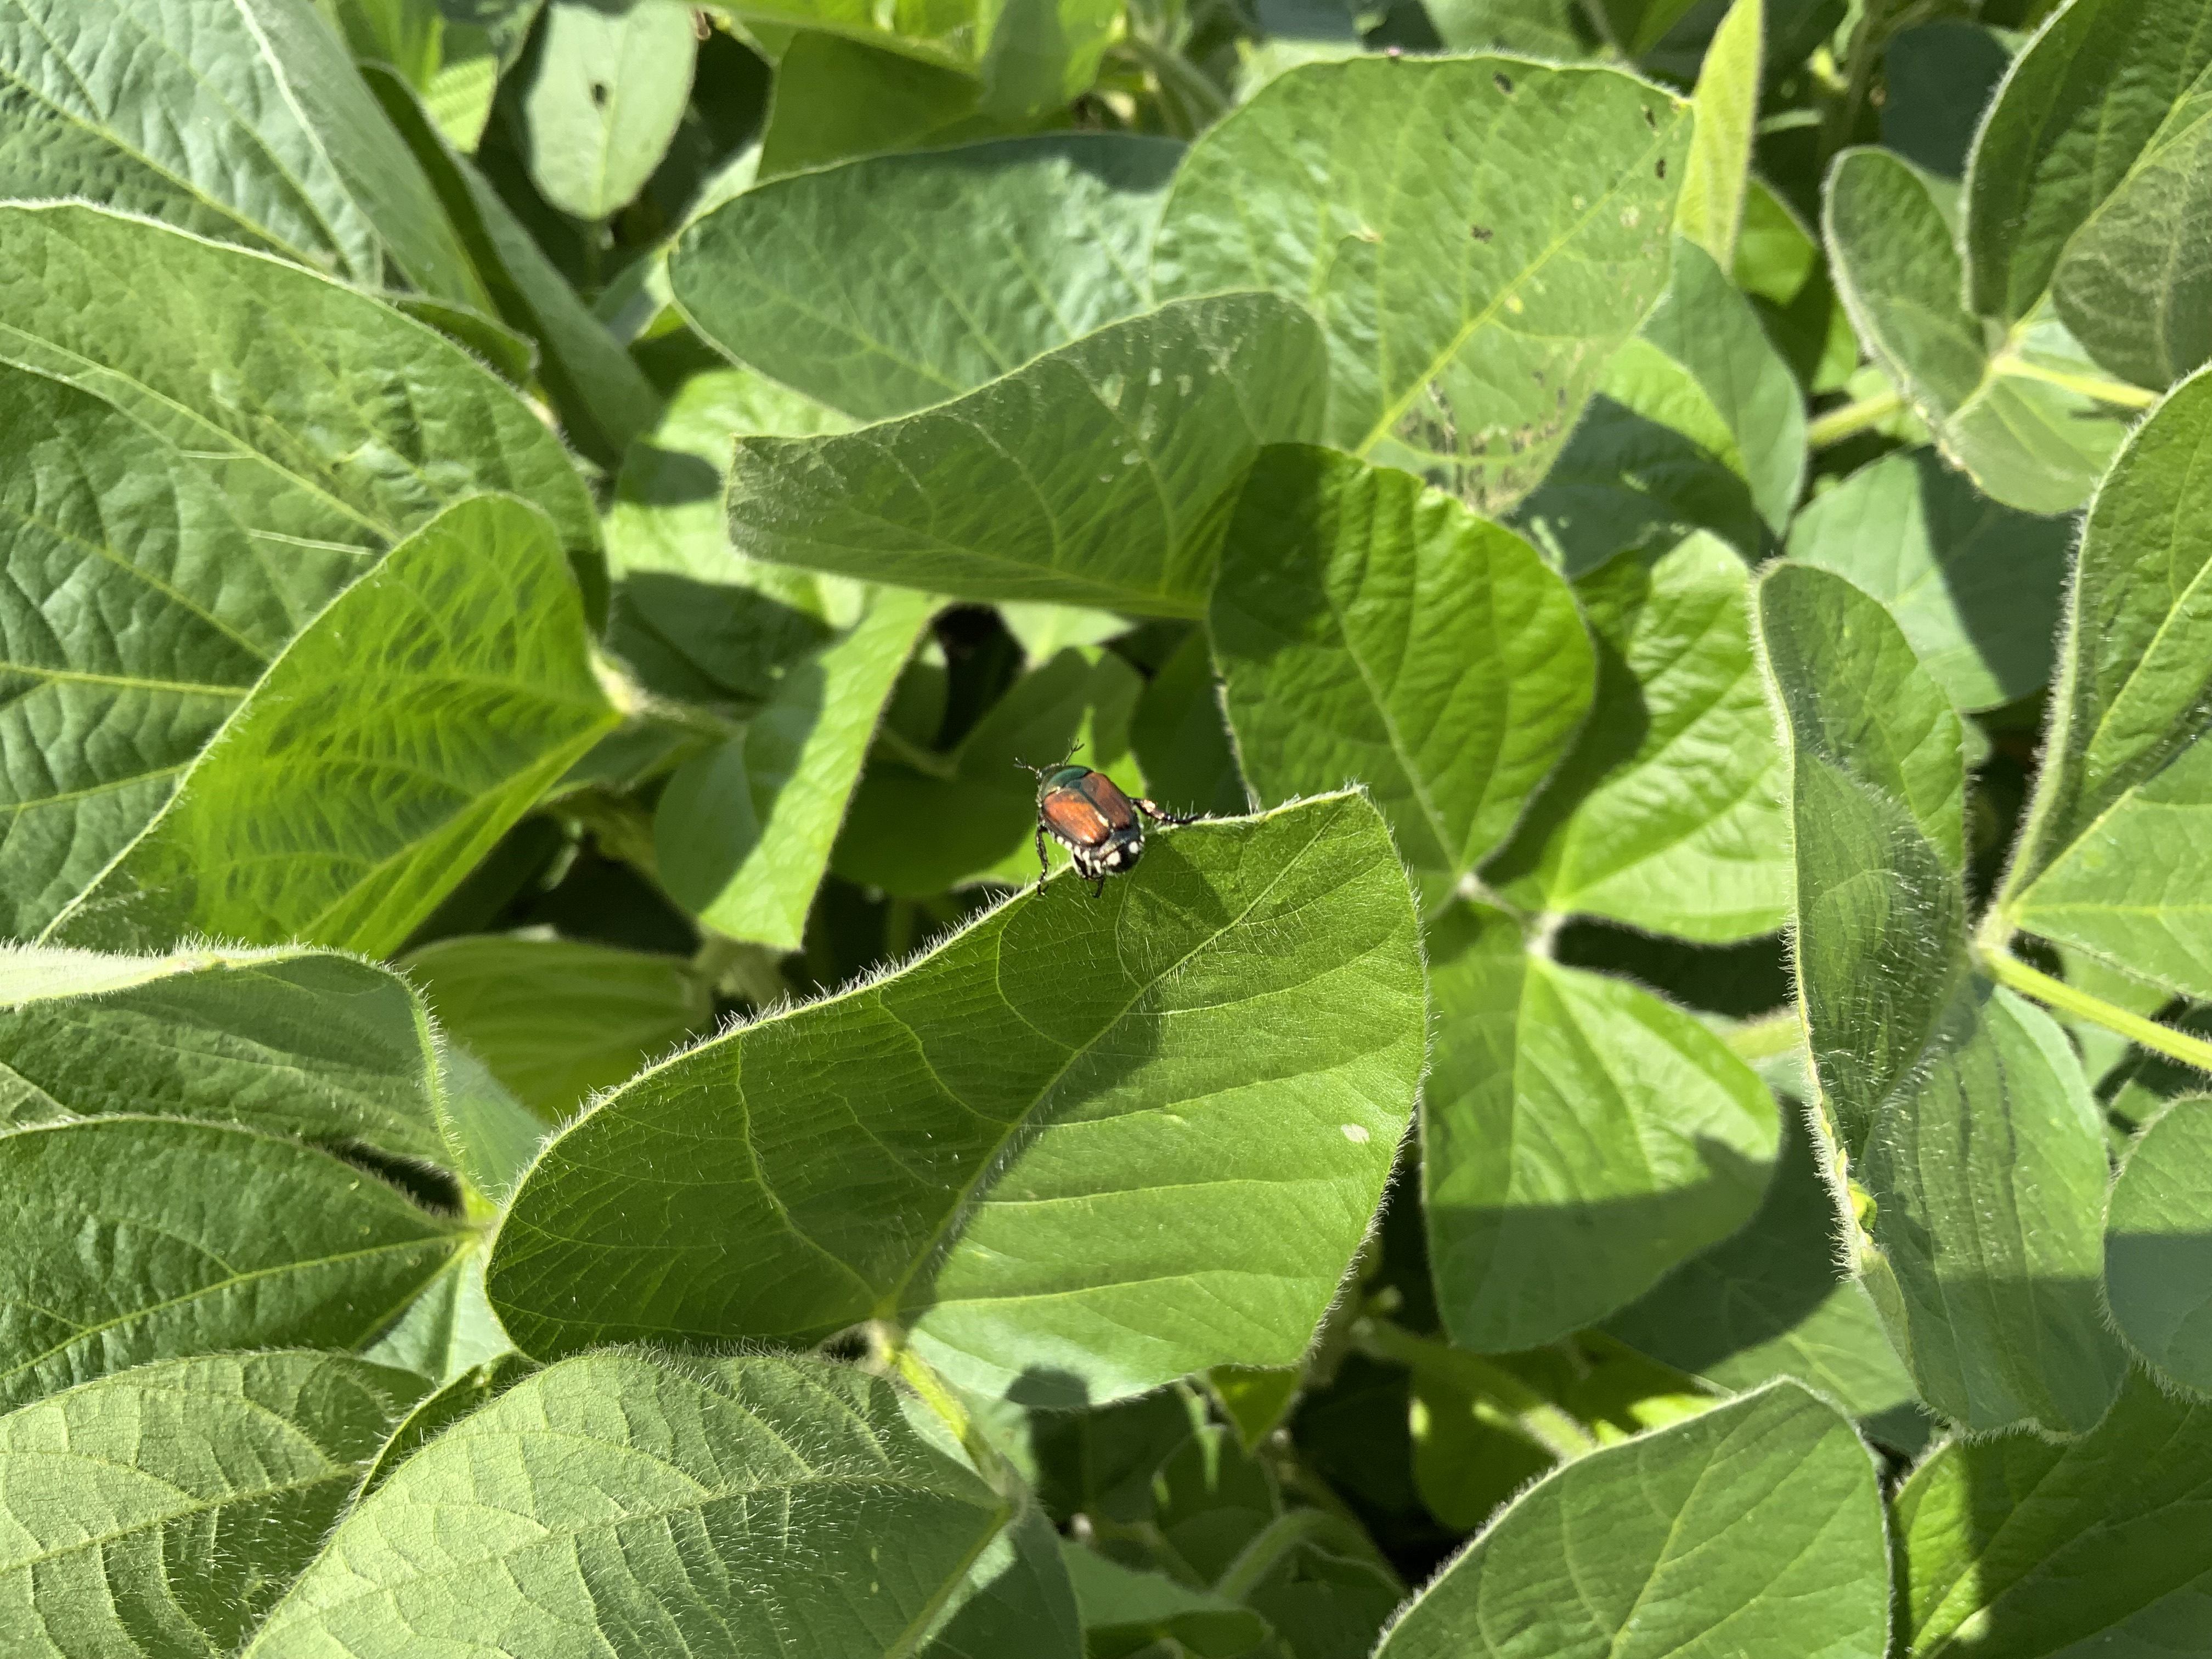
1852,419
2009,970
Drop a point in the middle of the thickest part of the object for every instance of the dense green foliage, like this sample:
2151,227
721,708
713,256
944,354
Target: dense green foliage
1653,1109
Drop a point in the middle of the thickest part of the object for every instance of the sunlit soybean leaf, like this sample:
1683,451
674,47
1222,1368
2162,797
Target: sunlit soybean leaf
998,1145
244,123
555,1020
2157,1244
997,253
164,1510
1780,268
602,397
2111,862
1769,1301
608,87
130,1239
1976,585
484,695
622,1503
1697,424
1538,1221
1367,627
2028,440
1469,316
1956,1112
2021,1549
742,833
2089,180
305,1043
837,100
1718,171
1094,476
1756,1528
1667,814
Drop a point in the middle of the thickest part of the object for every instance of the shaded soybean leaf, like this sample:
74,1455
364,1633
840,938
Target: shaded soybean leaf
2089,179
165,1510
996,253
1093,476
491,1134
1579,1137
1666,813
742,833
1939,77
2019,1547
245,122
1468,316
626,1503
608,86
602,397
1181,738
1976,585
1756,1528
1368,628
1697,424
484,695
469,1391
999,1145
1780,268
1953,1111
2029,439
305,1043
2157,1244
1718,172
916,830
129,1238
557,1020
1124,1610
837,99
1770,1300
2109,862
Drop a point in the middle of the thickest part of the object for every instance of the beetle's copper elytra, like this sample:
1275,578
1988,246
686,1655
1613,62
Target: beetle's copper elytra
1086,812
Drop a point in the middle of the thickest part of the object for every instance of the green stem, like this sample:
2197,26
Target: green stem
1535,1416
1852,419
1280,1536
1766,1037
906,750
891,1349
2008,970
2116,393
1202,100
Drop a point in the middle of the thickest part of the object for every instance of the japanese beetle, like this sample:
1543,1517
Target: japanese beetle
1087,813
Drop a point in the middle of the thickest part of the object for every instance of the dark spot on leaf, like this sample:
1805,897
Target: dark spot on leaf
1504,85
1650,117
1663,167
1563,397
599,95
1539,374
1480,232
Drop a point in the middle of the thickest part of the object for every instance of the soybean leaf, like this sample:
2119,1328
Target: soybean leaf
1769,1301
610,82
997,253
1719,170
1636,26
838,99
1976,585
2106,865
2157,1244
1955,1112
1124,1609
742,831
757,1493
1579,1137
1939,78
351,841
208,1237
604,398
1369,628
916,830
2089,181
242,122
1755,1527
449,1329
1631,826
2008,417
555,1020
305,1043
1697,424
470,1391
1091,476
1018,1120
165,1510
1468,317
1780,268
2020,1547
1536,28
1181,738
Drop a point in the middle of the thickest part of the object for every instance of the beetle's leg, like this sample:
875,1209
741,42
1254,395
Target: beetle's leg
1098,885
1044,865
1157,814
